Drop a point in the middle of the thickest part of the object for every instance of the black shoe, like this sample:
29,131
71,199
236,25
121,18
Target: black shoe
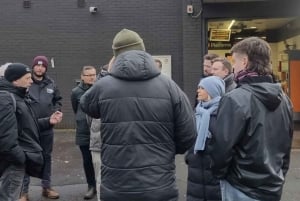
90,193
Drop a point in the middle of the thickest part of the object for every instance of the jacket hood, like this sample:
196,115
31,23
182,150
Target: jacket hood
229,79
270,94
134,65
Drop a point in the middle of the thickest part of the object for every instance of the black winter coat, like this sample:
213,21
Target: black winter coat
230,84
251,149
202,184
82,127
10,150
45,99
146,120
20,130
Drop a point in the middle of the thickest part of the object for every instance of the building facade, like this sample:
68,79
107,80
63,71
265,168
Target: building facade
74,33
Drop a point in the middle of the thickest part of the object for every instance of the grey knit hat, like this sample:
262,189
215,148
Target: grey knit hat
127,40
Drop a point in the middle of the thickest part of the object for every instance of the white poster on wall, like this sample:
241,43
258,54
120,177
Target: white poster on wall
166,64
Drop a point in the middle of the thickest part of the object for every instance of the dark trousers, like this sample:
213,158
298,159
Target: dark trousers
47,145
88,165
46,141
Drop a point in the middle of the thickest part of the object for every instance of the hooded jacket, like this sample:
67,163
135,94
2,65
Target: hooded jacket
20,130
229,83
145,120
45,99
251,149
10,150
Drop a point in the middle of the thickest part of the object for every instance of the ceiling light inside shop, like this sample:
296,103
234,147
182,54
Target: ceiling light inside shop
230,25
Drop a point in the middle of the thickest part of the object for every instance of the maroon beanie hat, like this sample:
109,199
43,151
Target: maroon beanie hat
40,60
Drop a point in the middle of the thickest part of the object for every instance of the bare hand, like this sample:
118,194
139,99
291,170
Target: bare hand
56,117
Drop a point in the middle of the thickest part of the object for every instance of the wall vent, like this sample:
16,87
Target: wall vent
26,4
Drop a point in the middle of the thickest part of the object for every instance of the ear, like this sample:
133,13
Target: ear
15,83
245,61
226,71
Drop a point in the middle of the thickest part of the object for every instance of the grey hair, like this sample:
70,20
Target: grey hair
3,68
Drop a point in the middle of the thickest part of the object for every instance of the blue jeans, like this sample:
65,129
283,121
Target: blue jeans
229,193
11,183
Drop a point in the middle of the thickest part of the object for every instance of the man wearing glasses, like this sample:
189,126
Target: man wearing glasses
88,77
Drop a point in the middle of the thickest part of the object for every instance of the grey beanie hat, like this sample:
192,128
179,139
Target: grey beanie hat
214,86
127,40
15,71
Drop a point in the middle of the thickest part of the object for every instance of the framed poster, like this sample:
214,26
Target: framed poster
166,67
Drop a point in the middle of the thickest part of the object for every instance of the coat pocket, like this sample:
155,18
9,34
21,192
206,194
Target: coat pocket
34,164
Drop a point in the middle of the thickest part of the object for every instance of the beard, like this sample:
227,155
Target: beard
39,75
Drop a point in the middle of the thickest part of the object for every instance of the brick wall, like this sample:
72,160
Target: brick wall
74,37
193,42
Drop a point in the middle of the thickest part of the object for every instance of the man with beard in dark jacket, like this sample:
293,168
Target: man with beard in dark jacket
20,150
45,99
207,69
222,68
145,120
207,64
88,77
252,144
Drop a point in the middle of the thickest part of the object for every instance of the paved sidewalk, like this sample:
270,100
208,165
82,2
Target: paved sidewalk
69,180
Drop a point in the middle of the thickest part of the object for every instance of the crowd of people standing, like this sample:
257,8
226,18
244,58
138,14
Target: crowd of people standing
131,121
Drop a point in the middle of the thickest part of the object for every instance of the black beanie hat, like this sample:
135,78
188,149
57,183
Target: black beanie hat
40,60
15,71
127,40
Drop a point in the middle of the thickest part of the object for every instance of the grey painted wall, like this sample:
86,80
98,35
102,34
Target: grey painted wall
74,37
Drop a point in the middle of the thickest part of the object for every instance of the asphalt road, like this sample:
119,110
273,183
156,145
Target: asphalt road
68,177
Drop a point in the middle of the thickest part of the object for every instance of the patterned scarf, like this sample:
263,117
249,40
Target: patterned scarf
245,73
248,77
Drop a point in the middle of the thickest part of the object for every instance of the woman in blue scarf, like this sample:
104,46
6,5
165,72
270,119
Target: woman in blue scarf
202,185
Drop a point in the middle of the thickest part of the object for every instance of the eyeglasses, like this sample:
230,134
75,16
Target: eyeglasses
91,75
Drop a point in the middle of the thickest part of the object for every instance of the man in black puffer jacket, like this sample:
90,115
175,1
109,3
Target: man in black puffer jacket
146,120
20,150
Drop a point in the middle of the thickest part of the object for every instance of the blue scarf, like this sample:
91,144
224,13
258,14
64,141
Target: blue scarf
203,112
